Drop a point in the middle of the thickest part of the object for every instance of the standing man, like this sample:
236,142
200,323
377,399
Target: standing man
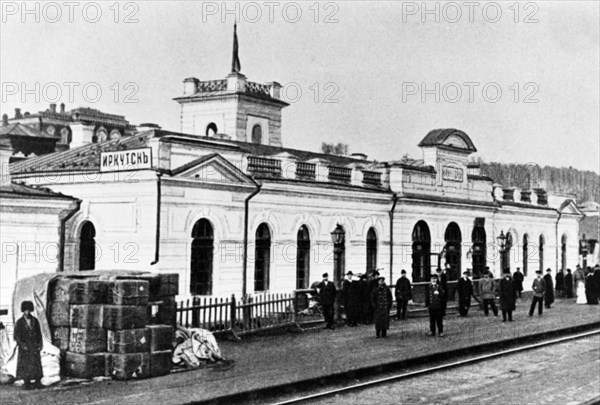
465,290
381,298
549,295
579,284
508,296
560,284
443,281
327,292
363,286
539,288
403,294
569,284
488,293
349,299
28,336
435,303
518,281
373,283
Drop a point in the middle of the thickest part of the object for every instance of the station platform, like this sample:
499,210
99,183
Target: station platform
294,359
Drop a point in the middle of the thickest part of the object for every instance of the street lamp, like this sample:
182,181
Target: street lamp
338,234
337,237
501,241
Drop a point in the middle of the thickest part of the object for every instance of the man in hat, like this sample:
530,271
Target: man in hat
539,288
488,293
464,288
28,336
373,283
518,281
549,294
381,299
403,294
327,291
434,301
560,283
351,299
443,281
365,299
569,284
508,296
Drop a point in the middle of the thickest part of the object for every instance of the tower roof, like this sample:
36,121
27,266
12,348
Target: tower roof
449,137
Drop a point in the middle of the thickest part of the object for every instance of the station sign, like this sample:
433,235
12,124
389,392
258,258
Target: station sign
133,159
452,173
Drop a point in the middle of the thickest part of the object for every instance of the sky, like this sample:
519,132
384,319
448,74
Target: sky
520,78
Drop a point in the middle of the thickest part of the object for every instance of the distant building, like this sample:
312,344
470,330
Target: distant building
589,234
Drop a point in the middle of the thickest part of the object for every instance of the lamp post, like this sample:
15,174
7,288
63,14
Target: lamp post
502,245
337,237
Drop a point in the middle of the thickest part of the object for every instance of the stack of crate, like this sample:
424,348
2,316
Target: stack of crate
103,326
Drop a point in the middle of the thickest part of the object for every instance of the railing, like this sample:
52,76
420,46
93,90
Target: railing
340,174
305,170
257,88
372,178
264,166
212,85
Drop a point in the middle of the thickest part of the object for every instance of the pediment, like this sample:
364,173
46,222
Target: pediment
213,169
569,207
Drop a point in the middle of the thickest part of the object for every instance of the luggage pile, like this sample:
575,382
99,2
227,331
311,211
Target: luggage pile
117,326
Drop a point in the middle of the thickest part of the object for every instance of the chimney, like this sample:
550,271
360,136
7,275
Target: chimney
27,114
18,113
4,120
62,108
53,108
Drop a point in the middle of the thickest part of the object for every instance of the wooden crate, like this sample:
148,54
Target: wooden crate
128,292
59,314
86,316
128,341
119,317
85,365
161,337
161,362
129,366
60,337
91,340
79,291
169,285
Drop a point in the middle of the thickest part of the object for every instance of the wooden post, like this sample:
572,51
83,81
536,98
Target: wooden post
195,313
294,306
233,312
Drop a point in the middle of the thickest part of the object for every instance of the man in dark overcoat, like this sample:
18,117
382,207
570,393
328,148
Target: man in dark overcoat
373,283
28,336
365,298
464,288
327,292
539,289
549,295
434,301
351,299
381,299
443,281
508,296
569,284
560,284
518,280
403,294
592,290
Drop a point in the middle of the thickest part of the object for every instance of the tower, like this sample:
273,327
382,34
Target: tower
232,108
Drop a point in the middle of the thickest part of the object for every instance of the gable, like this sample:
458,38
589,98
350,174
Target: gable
214,169
569,207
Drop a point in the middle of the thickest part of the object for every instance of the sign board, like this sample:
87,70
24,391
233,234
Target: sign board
133,159
452,173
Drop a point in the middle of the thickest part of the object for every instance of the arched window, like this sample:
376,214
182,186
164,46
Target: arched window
87,247
201,267
563,252
256,134
453,239
211,129
505,254
303,258
479,239
525,253
541,250
371,250
262,259
421,249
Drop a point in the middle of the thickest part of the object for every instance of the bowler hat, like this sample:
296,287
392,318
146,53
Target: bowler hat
403,272
349,273
325,275
26,306
538,272
506,271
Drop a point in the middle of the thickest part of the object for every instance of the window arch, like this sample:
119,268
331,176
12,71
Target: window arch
371,250
421,249
453,239
262,258
201,266
541,251
211,130
479,258
257,134
303,258
87,247
563,252
525,253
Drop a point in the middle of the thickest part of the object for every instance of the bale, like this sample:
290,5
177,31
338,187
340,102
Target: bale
169,284
161,337
59,314
128,292
85,365
60,337
128,341
86,316
129,366
92,340
160,362
119,317
79,291
167,312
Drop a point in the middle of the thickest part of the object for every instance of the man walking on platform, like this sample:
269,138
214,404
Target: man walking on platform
518,280
464,288
434,301
488,293
539,288
508,296
403,294
549,295
327,292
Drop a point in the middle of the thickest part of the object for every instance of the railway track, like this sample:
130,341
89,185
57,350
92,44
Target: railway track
429,370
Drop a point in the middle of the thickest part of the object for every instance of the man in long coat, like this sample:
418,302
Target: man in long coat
518,280
464,288
549,295
381,299
28,336
508,296
373,283
560,284
365,299
434,301
403,294
569,284
443,281
327,292
351,299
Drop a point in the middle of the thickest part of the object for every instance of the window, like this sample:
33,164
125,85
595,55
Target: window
505,254
302,258
421,249
478,237
256,134
211,129
371,250
201,267
262,258
453,239
87,247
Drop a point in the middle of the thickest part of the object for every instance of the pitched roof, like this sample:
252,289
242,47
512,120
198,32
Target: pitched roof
17,190
18,129
443,137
